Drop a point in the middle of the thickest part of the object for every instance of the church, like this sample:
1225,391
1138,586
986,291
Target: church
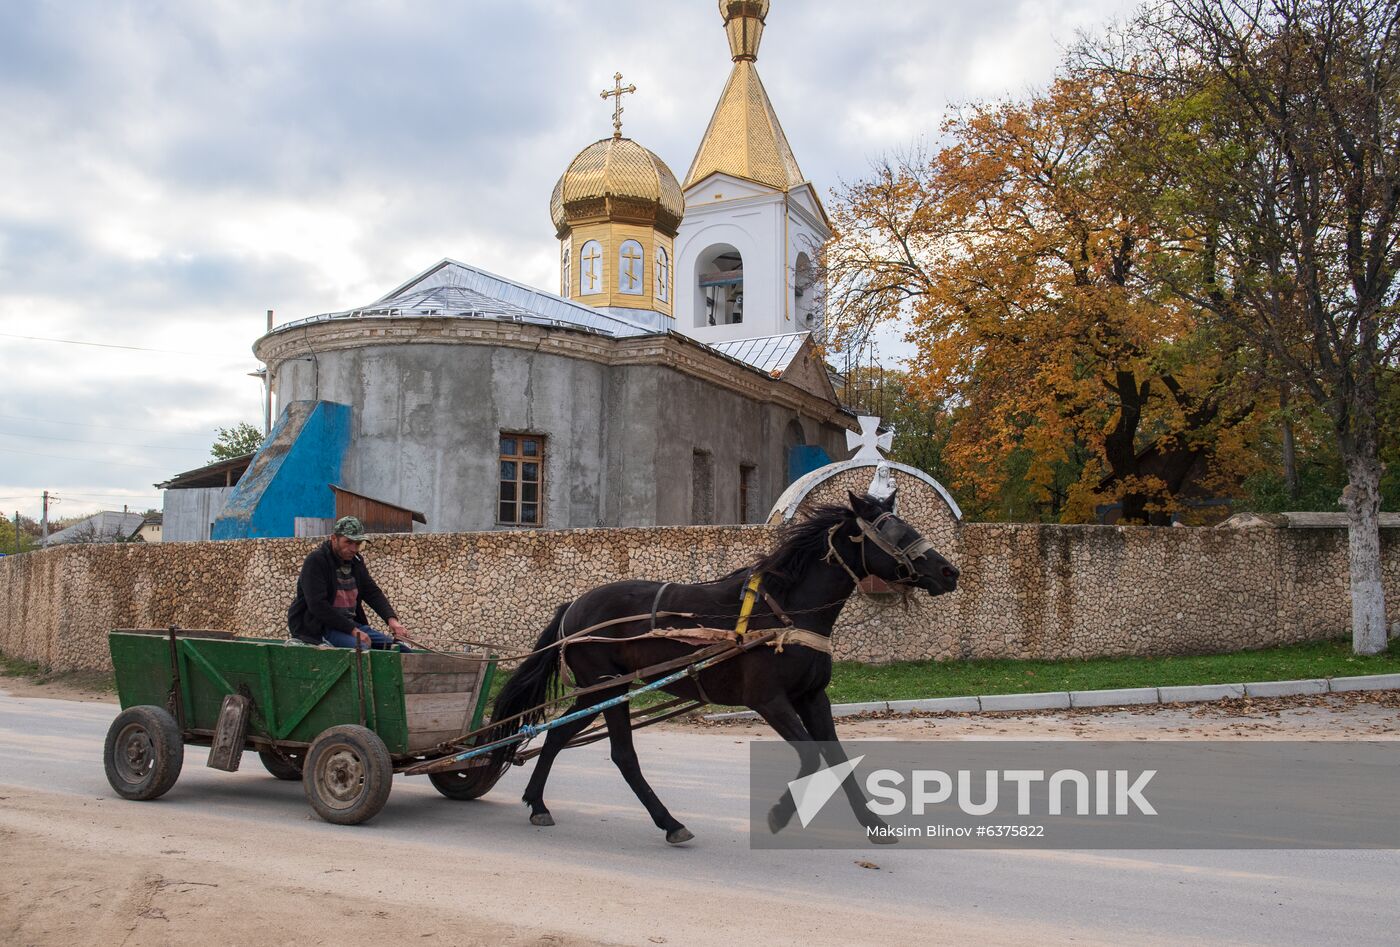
672,380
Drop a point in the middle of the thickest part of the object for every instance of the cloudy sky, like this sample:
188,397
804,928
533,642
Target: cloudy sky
171,170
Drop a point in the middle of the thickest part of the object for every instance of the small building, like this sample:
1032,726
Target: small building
150,529
195,498
109,526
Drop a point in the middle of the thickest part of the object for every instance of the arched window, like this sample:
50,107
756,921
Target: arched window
663,275
590,268
630,260
565,269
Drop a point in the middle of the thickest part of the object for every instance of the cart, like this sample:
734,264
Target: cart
342,721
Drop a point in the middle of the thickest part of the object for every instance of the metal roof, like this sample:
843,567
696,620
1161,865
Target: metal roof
450,289
771,354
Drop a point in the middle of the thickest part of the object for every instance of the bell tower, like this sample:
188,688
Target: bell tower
747,250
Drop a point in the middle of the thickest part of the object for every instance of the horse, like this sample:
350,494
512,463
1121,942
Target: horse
806,579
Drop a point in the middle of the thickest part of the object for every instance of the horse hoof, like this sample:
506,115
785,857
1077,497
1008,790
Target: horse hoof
541,818
883,839
777,821
679,836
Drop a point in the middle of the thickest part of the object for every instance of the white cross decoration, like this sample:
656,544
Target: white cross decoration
868,444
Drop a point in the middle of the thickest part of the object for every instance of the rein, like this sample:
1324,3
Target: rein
903,556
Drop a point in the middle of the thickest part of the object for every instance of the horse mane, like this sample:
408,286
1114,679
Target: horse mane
800,544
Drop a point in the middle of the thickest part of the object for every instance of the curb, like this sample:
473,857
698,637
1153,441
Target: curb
1117,697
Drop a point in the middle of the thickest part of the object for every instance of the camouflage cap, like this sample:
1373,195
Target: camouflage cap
351,528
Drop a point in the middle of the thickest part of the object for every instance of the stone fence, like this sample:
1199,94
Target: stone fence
1027,591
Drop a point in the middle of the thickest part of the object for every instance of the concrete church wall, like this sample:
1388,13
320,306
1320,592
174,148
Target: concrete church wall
1027,590
621,430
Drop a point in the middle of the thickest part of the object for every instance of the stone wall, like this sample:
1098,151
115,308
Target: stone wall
1026,590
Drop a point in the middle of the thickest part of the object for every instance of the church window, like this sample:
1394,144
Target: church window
629,268
746,493
702,488
521,495
663,275
590,268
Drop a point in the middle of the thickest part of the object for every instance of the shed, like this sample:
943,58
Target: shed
376,515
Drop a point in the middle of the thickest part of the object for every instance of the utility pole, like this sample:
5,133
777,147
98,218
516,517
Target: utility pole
44,523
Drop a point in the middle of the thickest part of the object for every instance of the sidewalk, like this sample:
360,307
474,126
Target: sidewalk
1118,697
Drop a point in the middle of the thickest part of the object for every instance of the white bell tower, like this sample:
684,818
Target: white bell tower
746,252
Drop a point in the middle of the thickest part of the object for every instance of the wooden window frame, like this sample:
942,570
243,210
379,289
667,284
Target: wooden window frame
519,458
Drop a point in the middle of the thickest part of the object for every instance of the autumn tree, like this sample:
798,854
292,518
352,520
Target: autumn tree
1015,253
1282,153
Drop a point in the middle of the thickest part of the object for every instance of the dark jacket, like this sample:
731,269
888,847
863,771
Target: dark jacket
312,611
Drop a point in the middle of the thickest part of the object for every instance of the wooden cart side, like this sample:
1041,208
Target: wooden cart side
443,696
297,692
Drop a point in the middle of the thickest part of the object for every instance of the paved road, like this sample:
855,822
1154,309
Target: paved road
604,873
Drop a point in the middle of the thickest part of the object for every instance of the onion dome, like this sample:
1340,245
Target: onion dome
617,179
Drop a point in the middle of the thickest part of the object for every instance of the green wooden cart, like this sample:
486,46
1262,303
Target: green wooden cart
341,721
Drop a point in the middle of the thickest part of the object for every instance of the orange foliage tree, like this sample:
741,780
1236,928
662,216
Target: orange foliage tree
1013,255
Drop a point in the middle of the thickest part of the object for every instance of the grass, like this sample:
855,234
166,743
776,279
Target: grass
852,682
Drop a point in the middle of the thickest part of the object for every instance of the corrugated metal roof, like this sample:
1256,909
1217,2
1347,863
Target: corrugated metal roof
455,290
771,354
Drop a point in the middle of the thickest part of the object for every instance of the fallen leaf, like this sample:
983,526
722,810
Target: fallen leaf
865,864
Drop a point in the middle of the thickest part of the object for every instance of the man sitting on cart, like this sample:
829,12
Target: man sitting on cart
333,590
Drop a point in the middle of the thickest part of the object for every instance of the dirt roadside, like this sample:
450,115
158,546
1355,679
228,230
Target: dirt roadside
71,686
103,871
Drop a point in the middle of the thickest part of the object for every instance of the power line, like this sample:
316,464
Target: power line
75,440
83,423
112,345
108,427
83,498
95,460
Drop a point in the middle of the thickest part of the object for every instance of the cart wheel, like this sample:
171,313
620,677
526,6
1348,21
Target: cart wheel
143,753
467,783
348,775
287,766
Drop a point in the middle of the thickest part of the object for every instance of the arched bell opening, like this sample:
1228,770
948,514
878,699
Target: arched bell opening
804,294
719,287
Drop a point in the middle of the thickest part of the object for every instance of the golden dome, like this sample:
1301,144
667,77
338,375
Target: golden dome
617,179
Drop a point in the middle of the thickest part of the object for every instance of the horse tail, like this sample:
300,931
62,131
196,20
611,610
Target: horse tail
529,686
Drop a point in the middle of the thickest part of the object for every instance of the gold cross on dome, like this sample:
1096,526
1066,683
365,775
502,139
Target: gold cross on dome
618,91
632,270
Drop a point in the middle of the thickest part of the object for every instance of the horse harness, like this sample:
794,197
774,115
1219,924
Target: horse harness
904,556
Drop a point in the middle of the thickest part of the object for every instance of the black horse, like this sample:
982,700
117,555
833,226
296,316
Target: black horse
806,579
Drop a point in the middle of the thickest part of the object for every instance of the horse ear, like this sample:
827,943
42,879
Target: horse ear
887,504
861,505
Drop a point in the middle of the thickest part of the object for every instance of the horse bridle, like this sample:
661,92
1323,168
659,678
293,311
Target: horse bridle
904,556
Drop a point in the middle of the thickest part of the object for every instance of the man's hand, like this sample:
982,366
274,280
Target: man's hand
362,638
397,629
